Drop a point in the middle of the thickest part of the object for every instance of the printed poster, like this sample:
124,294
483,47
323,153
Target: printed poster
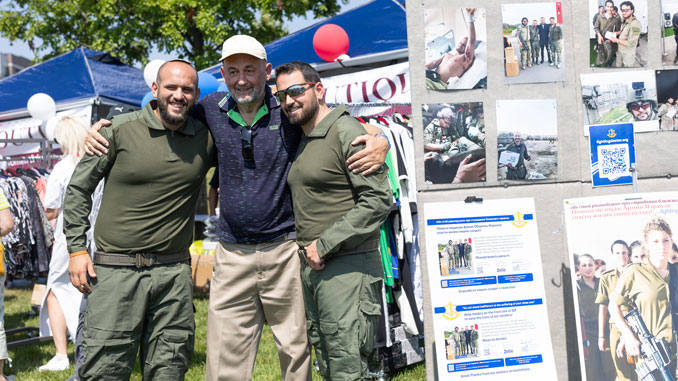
487,291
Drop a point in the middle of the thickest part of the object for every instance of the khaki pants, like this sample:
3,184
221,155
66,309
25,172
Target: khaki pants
252,284
343,305
128,308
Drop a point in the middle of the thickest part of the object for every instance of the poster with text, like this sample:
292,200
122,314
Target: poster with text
490,320
607,237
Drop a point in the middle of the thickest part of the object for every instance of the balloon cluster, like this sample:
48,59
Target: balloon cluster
207,83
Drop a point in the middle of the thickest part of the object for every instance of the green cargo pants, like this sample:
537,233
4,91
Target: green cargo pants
343,305
128,308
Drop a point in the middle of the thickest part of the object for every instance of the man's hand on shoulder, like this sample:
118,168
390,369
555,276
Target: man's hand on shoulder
372,157
95,143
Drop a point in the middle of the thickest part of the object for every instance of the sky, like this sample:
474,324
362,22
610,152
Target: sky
21,49
529,116
513,13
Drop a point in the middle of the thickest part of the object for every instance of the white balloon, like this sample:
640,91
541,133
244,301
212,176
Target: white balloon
343,57
151,71
50,127
41,106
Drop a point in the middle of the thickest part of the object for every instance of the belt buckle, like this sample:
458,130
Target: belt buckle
139,260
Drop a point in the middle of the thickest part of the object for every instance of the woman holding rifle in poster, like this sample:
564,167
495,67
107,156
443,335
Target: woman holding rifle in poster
645,287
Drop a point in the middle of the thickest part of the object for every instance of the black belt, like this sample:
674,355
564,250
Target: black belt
364,247
139,260
286,237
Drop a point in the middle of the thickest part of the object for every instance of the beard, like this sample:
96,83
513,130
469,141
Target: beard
254,96
172,120
304,115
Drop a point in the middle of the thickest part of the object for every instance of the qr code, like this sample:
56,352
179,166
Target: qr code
614,161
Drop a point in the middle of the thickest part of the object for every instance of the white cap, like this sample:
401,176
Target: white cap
243,44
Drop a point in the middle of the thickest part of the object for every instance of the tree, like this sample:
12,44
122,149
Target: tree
128,29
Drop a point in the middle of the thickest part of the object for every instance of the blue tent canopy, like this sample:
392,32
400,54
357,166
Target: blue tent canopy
376,27
79,74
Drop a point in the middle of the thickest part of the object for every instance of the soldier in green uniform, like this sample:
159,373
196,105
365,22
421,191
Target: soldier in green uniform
519,171
627,42
606,23
457,342
462,342
523,34
645,287
474,340
608,344
534,43
434,131
467,252
455,248
555,38
337,217
449,249
666,121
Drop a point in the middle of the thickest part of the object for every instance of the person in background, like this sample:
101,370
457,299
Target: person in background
601,267
59,308
6,226
637,252
587,288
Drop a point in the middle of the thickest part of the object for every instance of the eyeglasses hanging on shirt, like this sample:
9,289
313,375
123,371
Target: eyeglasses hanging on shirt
247,146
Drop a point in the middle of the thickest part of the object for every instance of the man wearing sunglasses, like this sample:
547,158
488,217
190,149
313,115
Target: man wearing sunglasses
638,105
627,40
337,217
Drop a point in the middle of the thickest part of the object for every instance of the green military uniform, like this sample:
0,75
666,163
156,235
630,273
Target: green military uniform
534,44
474,341
523,34
455,250
606,50
630,32
433,133
624,370
519,171
588,310
666,122
451,260
153,178
342,211
640,285
435,84
462,342
467,253
555,36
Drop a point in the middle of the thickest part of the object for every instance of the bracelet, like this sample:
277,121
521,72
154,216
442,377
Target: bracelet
77,253
385,137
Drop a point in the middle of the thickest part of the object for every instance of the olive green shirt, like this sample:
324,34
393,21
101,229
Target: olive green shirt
153,178
588,309
641,286
630,32
332,204
555,33
604,24
608,282
433,133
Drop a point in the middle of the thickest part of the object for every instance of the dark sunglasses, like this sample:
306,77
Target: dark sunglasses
247,148
638,106
294,90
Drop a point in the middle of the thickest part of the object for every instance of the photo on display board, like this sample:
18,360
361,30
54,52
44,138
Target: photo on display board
527,139
667,97
618,33
620,97
454,143
604,236
456,257
456,48
669,18
533,42
462,342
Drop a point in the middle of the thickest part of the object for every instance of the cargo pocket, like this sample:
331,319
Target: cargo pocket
368,321
174,350
341,349
111,358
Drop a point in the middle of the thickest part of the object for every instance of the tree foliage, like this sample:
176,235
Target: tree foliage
128,29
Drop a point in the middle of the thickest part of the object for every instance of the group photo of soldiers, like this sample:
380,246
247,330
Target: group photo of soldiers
669,30
456,257
462,342
527,139
456,48
621,97
454,142
535,34
610,279
618,33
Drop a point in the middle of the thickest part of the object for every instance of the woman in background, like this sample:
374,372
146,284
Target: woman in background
6,226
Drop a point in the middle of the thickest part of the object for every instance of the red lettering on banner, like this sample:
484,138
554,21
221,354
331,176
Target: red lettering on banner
4,145
364,88
375,88
401,76
43,134
348,91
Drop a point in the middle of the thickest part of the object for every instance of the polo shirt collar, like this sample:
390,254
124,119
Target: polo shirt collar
154,123
228,104
323,127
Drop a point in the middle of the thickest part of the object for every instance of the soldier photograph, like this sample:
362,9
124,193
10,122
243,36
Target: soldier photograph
455,257
454,143
456,48
669,29
527,139
532,32
618,37
621,97
462,342
667,97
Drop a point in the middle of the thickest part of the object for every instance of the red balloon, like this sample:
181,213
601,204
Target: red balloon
330,41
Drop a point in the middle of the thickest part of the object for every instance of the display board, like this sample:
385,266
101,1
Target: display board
621,101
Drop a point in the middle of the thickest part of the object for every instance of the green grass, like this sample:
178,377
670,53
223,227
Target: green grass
668,32
27,359
618,114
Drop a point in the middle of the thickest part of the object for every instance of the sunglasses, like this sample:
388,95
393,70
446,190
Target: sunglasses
638,106
294,90
626,10
247,148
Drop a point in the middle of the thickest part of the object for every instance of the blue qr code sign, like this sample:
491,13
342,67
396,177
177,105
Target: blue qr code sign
613,161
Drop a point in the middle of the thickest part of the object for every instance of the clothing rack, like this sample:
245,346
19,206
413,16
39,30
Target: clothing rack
45,155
